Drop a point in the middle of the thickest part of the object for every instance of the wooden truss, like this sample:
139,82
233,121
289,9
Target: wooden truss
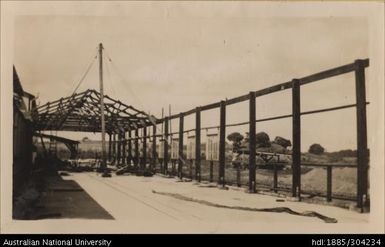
81,112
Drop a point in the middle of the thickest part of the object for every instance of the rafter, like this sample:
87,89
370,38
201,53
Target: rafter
81,112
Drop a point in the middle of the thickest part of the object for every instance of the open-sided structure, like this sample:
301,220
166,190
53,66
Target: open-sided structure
81,112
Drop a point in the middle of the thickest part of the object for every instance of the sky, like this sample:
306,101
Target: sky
189,60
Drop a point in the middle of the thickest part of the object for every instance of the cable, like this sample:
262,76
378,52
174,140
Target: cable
85,74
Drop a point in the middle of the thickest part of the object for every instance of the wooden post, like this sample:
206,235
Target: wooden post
153,163
180,148
329,183
114,147
362,146
296,156
222,143
198,144
109,146
252,143
165,143
119,147
144,161
124,148
129,156
103,124
136,162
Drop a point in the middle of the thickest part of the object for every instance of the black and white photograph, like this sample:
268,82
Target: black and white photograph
192,117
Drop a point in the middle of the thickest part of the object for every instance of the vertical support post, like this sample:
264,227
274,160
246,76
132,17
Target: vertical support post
153,161
124,147
114,147
362,145
222,143
109,146
296,156
165,143
180,148
198,144
136,162
144,161
129,151
329,183
103,124
119,147
252,143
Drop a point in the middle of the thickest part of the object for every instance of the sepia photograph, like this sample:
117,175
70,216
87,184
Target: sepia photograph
192,117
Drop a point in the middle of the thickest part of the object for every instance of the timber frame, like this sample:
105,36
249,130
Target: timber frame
81,112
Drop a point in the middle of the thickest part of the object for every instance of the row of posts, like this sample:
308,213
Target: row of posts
118,152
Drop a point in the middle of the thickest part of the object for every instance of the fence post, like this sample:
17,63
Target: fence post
144,161
252,143
296,156
362,146
329,183
129,156
180,151
165,143
198,144
136,147
222,143
153,163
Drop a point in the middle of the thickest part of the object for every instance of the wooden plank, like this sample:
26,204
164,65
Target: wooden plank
296,125
252,143
238,99
210,106
198,144
222,143
362,146
180,148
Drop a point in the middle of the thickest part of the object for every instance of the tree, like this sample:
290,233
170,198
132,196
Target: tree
262,139
236,139
316,149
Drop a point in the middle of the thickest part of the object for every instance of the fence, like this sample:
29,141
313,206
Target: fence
217,170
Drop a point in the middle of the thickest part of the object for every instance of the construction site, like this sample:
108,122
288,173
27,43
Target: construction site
142,169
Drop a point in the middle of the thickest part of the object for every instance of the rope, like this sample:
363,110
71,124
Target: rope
272,210
85,74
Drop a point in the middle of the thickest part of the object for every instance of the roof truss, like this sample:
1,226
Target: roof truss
81,112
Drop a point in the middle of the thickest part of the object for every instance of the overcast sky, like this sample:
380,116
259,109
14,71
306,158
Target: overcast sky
189,60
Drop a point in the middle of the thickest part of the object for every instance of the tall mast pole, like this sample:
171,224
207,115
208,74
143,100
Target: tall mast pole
103,164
